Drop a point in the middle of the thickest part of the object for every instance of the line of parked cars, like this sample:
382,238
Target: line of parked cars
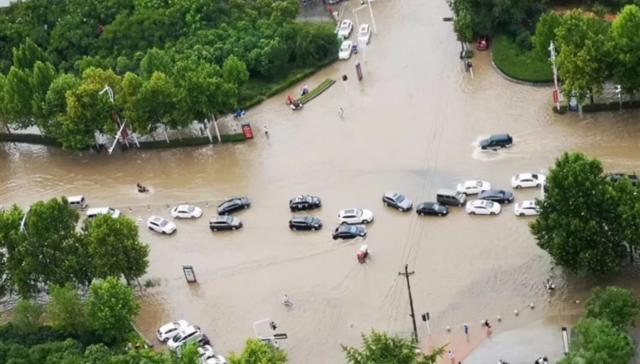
348,47
176,334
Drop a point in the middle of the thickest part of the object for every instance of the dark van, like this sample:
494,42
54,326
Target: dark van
497,141
451,197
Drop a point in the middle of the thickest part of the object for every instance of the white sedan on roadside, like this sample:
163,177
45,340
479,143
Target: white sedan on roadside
482,207
161,225
170,329
473,187
186,212
345,50
527,208
364,34
524,180
355,216
346,27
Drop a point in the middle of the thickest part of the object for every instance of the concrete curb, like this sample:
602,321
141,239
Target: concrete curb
519,82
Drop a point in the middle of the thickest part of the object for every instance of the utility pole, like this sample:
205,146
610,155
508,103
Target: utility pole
556,92
373,20
406,274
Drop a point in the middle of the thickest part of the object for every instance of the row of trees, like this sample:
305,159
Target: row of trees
42,246
601,335
592,50
169,63
588,222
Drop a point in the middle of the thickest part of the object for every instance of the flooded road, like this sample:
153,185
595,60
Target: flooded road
411,125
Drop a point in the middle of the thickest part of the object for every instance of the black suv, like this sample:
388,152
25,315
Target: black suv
305,223
499,196
615,177
497,141
432,208
233,204
345,231
304,202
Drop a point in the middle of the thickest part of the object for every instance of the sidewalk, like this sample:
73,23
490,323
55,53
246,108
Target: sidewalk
521,346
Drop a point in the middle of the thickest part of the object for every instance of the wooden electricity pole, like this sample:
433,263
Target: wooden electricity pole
406,274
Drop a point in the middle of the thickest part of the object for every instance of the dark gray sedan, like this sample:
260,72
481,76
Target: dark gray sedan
499,196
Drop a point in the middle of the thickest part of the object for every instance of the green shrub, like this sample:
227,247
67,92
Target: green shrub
520,65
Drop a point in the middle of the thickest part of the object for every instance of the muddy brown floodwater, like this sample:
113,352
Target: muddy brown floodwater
411,125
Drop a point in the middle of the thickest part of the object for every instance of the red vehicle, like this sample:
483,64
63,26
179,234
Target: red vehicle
483,43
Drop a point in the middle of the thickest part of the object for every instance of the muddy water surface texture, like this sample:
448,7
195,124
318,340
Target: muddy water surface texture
411,125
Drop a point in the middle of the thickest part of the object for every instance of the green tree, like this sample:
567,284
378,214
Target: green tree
598,342
11,238
578,216
27,54
617,305
110,308
27,316
115,248
258,352
545,33
56,101
156,102
234,71
65,310
18,96
625,32
155,60
380,348
585,54
41,79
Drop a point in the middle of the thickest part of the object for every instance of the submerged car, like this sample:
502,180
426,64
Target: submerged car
344,231
186,212
524,180
499,196
304,202
170,329
355,216
305,223
397,201
346,48
482,207
615,177
432,208
497,141
161,225
527,208
233,204
225,222
473,186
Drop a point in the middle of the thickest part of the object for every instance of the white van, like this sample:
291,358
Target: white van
93,212
77,202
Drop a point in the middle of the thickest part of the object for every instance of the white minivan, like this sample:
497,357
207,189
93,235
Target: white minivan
93,212
77,202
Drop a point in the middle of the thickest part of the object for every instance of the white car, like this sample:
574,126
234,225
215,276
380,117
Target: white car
526,208
473,187
170,329
523,180
355,216
186,212
161,225
209,356
188,334
345,50
364,34
97,211
346,27
483,207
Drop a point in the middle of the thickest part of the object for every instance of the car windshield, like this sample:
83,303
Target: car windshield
345,46
399,198
163,223
308,219
110,211
478,183
534,176
190,208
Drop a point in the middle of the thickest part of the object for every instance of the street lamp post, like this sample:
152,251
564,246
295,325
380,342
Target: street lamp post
373,20
619,93
557,95
116,118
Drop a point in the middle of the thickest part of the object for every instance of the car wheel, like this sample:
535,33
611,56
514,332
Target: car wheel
521,214
440,214
214,229
492,213
420,213
234,228
335,238
149,227
293,228
400,209
315,229
537,185
518,187
246,207
366,221
472,212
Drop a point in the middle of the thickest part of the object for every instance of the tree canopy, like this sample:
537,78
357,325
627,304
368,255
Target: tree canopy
258,352
380,348
617,305
194,58
586,221
598,341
